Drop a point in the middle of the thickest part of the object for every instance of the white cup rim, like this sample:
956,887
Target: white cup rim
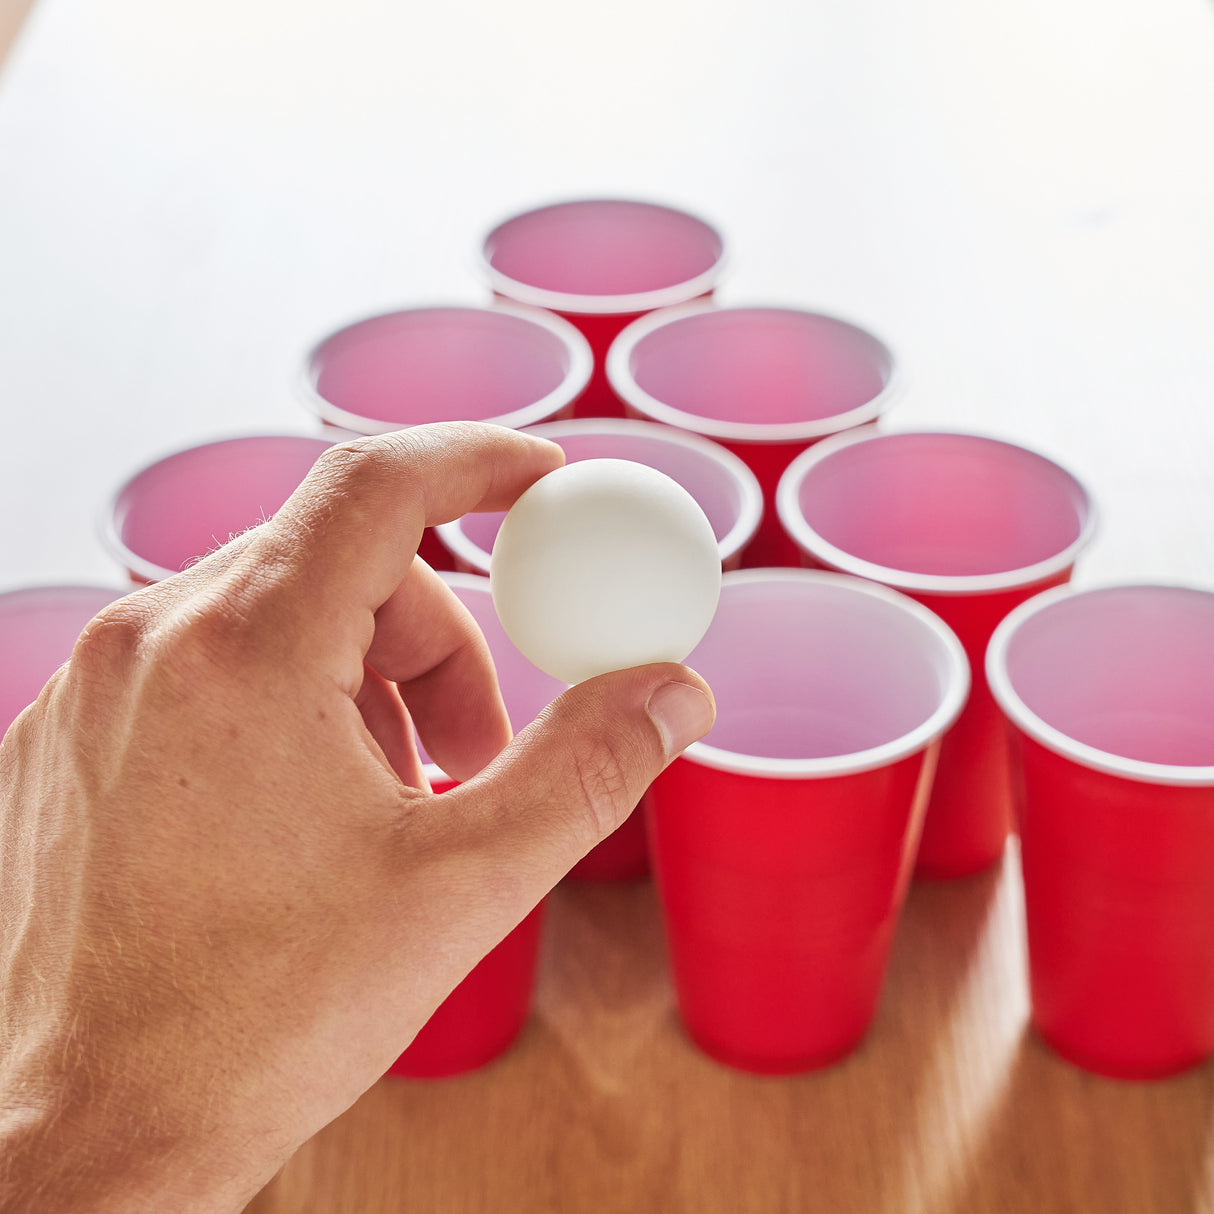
809,540
469,581
1026,720
13,597
106,525
923,735
581,365
732,542
578,304
619,374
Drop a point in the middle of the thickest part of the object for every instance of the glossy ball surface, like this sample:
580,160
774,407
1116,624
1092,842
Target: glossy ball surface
605,564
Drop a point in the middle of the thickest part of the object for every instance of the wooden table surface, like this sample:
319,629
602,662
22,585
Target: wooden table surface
951,1105
1019,198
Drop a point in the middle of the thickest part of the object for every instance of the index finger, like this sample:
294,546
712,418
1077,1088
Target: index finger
345,539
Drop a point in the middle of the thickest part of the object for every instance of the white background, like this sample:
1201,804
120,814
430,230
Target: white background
1018,197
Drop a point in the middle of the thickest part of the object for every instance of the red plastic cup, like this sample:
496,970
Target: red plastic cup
969,526
513,366
509,365
38,630
783,841
764,382
602,263
724,488
176,510
1110,695
483,1017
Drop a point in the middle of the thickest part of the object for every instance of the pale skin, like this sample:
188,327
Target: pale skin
229,899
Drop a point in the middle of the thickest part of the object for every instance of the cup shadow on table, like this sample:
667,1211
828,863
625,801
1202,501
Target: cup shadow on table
604,1103
1059,1140
1043,1136
943,928
671,1129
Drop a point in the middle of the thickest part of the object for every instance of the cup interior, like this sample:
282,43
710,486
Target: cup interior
526,690
941,505
481,530
809,667
184,506
598,247
439,364
768,366
1127,670
724,496
38,629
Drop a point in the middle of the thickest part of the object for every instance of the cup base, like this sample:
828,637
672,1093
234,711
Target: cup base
776,1067
953,869
442,1067
771,1012
1142,1070
484,1015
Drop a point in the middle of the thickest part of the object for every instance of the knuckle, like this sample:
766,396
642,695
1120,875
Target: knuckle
200,641
215,632
350,453
605,792
345,469
359,459
111,640
154,644
357,472
369,459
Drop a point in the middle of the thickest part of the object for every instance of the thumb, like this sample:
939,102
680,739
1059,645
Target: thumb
576,773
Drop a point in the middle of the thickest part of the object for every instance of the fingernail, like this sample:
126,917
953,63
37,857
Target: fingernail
682,714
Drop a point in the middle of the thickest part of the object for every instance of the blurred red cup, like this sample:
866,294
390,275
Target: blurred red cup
601,263
174,511
1110,695
783,841
39,626
512,366
724,488
722,485
764,382
970,526
483,1017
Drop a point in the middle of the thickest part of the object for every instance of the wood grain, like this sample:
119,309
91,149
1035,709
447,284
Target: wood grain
951,1104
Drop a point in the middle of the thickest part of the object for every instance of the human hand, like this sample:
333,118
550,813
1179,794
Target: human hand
228,898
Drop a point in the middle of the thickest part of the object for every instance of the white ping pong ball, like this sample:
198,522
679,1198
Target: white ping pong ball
605,564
